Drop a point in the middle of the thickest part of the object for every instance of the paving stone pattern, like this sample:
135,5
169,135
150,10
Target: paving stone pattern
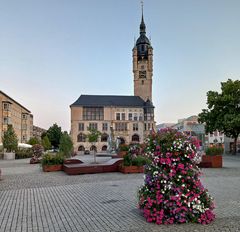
31,200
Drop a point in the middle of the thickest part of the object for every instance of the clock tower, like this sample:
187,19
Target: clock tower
143,65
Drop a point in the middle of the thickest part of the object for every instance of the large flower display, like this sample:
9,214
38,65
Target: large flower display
172,191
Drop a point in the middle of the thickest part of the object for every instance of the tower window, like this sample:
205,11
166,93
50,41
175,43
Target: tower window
142,82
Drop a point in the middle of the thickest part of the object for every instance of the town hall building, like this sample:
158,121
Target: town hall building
130,118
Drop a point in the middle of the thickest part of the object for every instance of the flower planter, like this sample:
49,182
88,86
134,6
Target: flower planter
131,169
215,160
52,168
9,155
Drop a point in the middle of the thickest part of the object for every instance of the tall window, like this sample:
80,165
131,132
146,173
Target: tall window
135,118
104,126
118,116
93,126
135,126
24,116
93,113
81,126
123,116
104,137
81,137
121,126
130,116
6,106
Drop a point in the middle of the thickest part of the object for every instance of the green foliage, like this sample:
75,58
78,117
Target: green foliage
93,135
23,153
33,141
10,140
52,159
135,157
214,150
223,113
46,143
54,134
123,147
66,144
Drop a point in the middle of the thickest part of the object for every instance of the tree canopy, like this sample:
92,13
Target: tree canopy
66,144
54,134
223,113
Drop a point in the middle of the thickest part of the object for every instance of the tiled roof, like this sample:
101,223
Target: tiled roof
111,100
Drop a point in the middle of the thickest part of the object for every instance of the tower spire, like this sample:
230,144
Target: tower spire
142,25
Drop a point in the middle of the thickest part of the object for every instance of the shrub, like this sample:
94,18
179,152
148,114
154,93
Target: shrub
46,143
214,151
52,159
23,153
123,147
33,140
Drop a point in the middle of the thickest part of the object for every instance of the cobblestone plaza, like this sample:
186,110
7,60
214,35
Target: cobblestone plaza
31,200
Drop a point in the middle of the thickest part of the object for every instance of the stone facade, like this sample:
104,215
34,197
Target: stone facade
127,123
130,118
37,132
20,117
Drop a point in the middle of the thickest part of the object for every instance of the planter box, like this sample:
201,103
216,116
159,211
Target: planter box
215,160
52,168
9,155
131,169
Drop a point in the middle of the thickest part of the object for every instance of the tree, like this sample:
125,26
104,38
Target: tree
33,141
223,113
10,140
46,143
92,138
66,144
54,134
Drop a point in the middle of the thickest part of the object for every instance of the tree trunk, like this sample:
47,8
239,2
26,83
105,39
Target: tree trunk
235,146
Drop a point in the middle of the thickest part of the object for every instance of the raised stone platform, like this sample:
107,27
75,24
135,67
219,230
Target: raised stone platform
111,165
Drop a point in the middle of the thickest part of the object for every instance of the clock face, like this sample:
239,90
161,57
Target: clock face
142,74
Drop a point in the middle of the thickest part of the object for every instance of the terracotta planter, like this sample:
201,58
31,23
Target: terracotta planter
131,169
215,160
52,168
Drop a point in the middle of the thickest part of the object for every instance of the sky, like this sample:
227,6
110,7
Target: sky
52,51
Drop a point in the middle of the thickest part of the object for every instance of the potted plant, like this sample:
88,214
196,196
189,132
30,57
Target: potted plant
10,143
213,157
52,162
37,150
133,161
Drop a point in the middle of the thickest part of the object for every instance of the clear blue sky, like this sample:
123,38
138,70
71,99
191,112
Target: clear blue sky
51,51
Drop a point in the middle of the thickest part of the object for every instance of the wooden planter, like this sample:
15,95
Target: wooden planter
131,169
52,168
215,160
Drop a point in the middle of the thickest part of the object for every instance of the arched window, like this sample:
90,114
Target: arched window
81,148
93,148
81,137
104,148
122,140
135,138
104,137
